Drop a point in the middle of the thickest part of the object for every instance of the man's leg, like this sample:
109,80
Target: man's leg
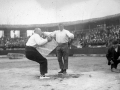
34,55
43,63
65,57
59,56
43,66
114,67
116,63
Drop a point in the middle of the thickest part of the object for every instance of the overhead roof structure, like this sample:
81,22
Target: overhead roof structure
30,26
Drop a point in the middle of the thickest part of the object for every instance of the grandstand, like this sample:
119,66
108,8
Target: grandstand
90,35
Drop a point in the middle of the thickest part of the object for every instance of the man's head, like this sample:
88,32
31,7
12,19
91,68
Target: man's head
115,43
38,31
61,26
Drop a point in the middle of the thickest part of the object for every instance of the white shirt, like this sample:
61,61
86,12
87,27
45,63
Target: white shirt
48,33
116,49
36,39
62,36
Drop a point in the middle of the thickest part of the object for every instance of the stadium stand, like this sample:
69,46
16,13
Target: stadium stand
89,34
99,36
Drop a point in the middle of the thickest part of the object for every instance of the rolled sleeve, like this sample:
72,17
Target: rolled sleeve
47,33
70,35
40,41
52,34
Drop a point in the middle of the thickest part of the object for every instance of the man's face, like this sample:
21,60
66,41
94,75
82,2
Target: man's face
61,27
115,46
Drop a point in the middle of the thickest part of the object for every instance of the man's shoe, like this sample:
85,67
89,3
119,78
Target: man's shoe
115,70
64,71
61,71
44,77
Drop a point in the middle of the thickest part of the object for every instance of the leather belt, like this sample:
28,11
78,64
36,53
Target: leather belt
63,43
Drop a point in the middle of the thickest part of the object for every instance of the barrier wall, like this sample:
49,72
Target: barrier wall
101,50
5,52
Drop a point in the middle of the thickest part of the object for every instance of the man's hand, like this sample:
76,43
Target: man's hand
49,38
111,62
119,58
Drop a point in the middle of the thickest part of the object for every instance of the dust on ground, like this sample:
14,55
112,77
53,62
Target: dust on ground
84,73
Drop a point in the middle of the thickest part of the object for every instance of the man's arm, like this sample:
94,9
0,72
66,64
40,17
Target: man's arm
69,34
40,41
47,34
108,55
53,34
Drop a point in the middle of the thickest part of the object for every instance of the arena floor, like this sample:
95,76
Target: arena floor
84,73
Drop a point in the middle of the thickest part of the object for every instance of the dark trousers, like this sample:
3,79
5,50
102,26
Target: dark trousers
114,65
62,51
32,54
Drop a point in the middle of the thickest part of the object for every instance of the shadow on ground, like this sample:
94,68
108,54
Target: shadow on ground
63,76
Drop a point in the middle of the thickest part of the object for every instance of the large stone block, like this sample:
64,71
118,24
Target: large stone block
15,55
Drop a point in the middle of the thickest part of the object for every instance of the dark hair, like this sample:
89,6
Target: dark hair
115,42
61,24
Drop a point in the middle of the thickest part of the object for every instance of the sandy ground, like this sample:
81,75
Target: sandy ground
84,73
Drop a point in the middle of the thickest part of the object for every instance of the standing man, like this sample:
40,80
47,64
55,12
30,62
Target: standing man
62,37
113,56
32,53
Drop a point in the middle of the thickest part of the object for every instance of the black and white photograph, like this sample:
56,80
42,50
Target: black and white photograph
59,44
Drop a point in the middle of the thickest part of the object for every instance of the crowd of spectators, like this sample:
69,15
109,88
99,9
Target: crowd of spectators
12,43
99,36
